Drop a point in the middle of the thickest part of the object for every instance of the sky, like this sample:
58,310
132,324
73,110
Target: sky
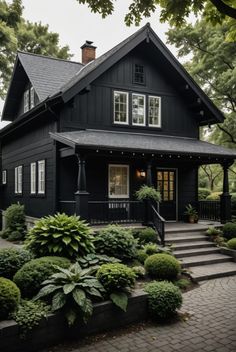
76,24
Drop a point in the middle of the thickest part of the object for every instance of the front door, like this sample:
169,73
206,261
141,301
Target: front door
166,185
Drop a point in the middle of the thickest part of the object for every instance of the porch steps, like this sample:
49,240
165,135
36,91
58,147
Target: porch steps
199,255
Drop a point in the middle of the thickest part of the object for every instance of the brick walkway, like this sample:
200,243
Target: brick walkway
211,326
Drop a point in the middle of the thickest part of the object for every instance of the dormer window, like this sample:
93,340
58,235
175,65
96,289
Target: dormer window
29,99
139,75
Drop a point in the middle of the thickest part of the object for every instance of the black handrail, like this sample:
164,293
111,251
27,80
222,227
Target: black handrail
159,224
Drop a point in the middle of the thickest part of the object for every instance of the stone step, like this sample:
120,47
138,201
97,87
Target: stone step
190,252
192,245
206,272
185,234
189,238
185,227
206,259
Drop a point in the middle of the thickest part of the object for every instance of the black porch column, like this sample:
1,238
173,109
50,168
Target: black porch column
225,198
149,174
147,203
81,195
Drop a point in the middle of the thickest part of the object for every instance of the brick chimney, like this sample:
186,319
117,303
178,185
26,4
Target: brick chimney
88,52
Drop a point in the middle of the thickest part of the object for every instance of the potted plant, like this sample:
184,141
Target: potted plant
192,214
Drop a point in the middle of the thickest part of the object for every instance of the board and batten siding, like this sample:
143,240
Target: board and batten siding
30,146
94,108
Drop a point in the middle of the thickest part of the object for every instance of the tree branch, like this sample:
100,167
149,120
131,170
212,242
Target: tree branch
232,140
223,8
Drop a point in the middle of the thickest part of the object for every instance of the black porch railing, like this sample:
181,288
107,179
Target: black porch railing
158,223
209,210
115,211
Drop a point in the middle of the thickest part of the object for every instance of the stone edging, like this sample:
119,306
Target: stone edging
228,251
54,329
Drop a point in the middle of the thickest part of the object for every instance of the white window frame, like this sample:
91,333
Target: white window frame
41,181
144,109
4,177
31,96
18,179
159,111
109,171
127,108
26,100
33,178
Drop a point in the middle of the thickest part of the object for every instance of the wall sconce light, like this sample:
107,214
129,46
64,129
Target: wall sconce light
142,173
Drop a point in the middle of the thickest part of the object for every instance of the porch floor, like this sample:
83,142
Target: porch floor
171,227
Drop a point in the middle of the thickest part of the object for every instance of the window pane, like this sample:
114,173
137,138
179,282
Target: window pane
138,109
118,181
154,111
120,107
19,179
26,100
41,176
4,177
33,178
16,183
139,74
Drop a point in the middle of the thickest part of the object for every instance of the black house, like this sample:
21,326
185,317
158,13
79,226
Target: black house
84,137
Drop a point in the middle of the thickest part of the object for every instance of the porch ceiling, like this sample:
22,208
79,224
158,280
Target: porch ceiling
143,143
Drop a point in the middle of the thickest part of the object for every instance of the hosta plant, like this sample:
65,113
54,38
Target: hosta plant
62,235
95,260
71,290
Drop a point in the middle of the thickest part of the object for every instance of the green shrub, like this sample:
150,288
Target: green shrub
15,222
212,231
71,291
9,297
29,314
91,260
139,271
146,235
63,235
214,196
229,230
116,241
30,277
141,255
163,299
232,243
203,193
148,193
11,260
182,283
162,266
117,279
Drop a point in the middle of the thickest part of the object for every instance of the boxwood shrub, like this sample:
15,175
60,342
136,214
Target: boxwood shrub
229,230
9,297
116,241
12,259
115,277
15,223
30,277
141,255
162,266
232,243
146,235
163,299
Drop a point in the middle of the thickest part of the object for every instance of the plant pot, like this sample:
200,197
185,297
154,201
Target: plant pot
191,219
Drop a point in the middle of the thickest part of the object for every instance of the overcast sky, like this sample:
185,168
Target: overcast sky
75,24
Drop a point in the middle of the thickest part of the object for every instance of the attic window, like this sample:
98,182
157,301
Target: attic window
139,75
29,99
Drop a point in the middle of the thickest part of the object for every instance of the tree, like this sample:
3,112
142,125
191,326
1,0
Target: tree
173,11
213,65
16,33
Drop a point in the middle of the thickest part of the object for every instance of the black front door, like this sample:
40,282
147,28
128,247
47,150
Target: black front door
166,185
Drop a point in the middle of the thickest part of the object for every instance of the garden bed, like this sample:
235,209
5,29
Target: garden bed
230,252
54,329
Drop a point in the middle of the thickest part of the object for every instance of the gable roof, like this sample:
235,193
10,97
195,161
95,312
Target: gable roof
46,74
97,67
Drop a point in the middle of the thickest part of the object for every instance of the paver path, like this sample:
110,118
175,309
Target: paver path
7,244
210,327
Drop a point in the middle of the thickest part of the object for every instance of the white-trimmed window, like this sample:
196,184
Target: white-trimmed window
121,107
18,179
41,177
138,109
118,181
26,100
33,178
32,98
154,111
4,177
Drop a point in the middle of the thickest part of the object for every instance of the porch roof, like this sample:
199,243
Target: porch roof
137,142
